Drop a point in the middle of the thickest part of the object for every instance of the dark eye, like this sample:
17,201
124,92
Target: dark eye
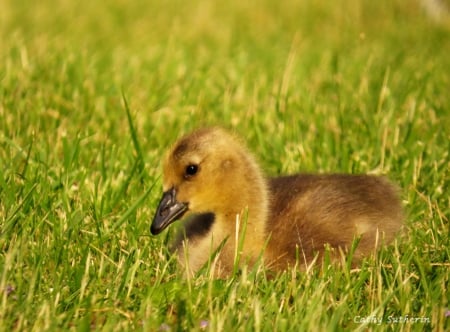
191,170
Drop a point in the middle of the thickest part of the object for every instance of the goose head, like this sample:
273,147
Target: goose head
208,171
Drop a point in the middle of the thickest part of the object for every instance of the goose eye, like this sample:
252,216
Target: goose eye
191,170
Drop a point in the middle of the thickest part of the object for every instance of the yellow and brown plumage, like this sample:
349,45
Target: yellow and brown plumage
212,179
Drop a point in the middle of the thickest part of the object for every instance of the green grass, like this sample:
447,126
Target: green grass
92,93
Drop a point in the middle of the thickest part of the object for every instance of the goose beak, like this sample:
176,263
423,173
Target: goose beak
169,210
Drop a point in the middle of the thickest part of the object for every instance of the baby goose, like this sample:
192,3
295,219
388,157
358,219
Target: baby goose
212,176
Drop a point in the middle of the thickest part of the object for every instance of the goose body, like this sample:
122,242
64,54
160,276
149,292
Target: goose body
211,178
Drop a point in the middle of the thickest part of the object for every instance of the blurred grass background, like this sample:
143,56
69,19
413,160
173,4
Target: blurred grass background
317,86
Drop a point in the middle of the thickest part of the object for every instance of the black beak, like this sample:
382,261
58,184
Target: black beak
169,210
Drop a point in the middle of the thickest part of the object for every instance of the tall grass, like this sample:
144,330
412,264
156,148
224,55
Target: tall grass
91,95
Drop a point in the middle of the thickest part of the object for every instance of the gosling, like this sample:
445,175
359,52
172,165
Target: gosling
210,177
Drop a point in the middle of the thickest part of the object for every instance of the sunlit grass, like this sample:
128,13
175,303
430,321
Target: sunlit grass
91,94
